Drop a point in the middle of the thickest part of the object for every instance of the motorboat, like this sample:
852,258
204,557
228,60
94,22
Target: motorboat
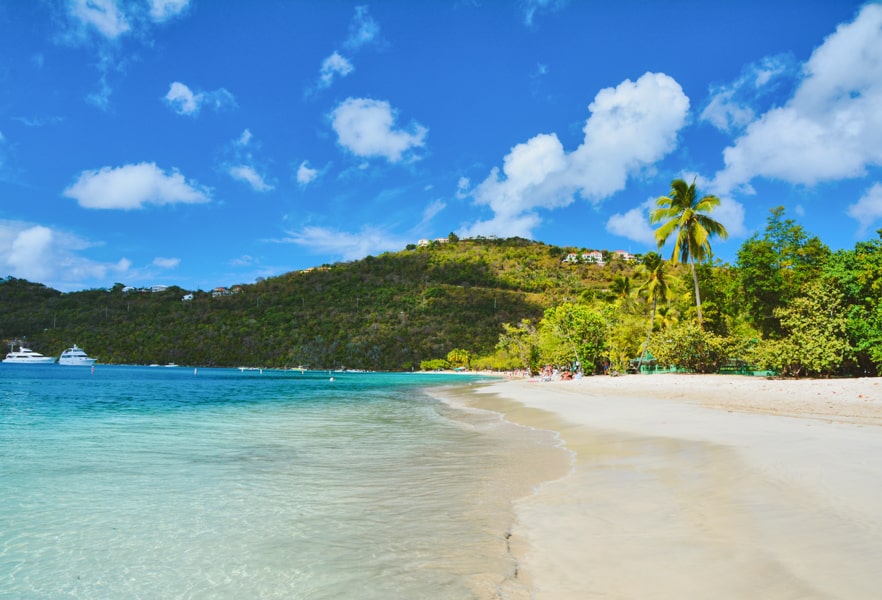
76,356
26,356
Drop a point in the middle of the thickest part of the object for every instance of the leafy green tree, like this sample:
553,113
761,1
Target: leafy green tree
582,330
773,268
689,347
459,357
521,341
859,273
683,213
815,326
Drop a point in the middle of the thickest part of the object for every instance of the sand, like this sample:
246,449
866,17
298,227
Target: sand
690,486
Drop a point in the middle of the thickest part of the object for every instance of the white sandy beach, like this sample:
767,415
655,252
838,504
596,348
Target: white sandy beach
686,486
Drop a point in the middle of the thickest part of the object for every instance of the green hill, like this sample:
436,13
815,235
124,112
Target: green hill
386,312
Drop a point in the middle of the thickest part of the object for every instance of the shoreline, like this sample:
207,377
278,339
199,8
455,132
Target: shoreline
700,486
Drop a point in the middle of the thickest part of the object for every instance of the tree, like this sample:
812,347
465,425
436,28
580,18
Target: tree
688,346
682,212
655,289
520,340
816,327
580,328
773,268
459,357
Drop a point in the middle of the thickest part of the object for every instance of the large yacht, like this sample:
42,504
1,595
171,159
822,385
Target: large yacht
76,356
26,356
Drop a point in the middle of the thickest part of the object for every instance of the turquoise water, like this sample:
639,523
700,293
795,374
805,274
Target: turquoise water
139,482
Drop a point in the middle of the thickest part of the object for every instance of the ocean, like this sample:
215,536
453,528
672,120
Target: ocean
157,482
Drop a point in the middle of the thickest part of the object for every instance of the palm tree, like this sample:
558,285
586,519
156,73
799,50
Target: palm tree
683,212
655,288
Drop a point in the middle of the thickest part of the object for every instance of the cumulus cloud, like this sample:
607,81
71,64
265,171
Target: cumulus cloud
831,127
867,210
163,10
184,101
631,127
50,256
249,175
367,128
634,224
333,66
104,16
133,186
346,245
306,174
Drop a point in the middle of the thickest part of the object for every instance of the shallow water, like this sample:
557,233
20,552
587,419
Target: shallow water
168,482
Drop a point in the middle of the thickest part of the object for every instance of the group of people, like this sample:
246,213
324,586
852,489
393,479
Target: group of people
549,373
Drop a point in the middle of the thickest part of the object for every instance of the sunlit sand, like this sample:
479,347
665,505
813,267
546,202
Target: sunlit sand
688,486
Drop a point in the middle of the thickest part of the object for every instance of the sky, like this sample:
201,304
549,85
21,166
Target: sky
205,143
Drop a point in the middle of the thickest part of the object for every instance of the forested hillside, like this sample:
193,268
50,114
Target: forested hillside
385,312
789,305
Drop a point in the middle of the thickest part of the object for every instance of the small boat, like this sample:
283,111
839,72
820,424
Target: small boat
76,356
26,356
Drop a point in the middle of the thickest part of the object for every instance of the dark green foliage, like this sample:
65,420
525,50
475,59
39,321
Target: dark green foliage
773,269
385,312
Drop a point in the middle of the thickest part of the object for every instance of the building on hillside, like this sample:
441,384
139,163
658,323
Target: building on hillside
187,298
220,291
625,256
595,257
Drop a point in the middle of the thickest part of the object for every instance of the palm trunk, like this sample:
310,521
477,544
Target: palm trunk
697,293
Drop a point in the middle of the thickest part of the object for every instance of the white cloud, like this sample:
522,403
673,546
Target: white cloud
49,256
250,176
362,30
103,15
166,263
366,128
346,245
185,102
868,209
831,127
132,186
182,99
631,127
306,174
634,224
163,10
731,106
333,66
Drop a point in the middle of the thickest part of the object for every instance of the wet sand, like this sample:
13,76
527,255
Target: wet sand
686,486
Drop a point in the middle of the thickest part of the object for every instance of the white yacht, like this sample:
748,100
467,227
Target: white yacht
26,356
76,356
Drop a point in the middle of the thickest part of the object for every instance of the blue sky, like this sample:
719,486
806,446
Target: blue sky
202,143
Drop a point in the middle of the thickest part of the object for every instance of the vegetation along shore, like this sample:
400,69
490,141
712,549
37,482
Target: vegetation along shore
789,306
